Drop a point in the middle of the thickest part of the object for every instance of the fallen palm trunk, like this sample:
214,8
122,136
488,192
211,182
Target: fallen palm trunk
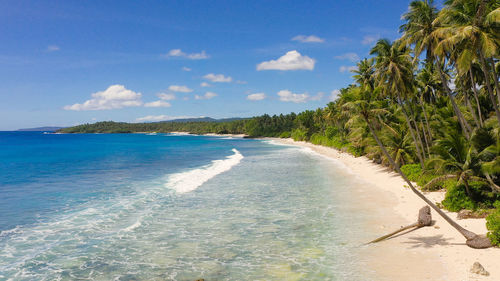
424,219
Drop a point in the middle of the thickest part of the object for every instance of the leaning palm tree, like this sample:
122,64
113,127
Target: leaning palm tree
367,108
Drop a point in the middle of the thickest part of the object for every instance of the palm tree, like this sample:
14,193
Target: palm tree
394,75
419,26
364,74
488,144
367,108
471,26
398,142
427,84
456,159
420,29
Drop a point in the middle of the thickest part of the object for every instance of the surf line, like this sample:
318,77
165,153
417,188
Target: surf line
188,181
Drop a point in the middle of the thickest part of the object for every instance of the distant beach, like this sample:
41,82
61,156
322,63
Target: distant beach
437,252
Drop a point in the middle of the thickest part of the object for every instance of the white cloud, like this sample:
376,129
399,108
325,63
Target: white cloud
308,39
179,89
206,96
292,60
241,82
345,68
256,96
349,56
166,96
369,39
334,95
53,48
288,96
205,84
218,78
158,103
156,118
185,68
192,56
114,97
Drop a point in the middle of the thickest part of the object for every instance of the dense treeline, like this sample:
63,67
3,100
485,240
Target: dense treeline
231,127
426,105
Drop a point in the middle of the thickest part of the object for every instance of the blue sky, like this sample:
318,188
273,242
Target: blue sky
70,62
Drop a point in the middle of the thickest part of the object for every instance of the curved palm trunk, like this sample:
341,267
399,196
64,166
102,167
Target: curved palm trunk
461,119
484,66
476,97
466,233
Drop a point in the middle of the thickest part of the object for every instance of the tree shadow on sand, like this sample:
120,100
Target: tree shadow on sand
429,241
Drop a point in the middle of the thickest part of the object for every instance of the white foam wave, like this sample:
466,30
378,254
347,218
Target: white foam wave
188,181
14,230
134,226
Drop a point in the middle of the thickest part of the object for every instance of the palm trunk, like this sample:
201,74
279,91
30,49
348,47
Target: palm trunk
466,233
469,105
426,119
461,120
467,187
419,138
495,76
495,188
419,155
484,66
476,97
425,140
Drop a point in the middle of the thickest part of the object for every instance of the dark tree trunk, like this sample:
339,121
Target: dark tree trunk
461,120
476,97
484,66
469,235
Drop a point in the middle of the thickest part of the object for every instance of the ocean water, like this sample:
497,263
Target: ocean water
173,207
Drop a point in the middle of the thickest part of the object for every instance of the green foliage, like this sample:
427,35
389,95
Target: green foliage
299,135
414,173
456,199
493,225
285,135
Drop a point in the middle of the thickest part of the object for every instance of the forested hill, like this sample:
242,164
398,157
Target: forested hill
426,105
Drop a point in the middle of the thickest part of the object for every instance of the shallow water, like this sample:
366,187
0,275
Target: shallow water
142,207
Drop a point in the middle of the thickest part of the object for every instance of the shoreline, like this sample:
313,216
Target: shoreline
437,252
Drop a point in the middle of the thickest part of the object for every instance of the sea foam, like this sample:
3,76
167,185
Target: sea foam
188,181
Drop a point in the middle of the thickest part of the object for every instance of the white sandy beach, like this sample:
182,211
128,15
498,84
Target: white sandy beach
431,253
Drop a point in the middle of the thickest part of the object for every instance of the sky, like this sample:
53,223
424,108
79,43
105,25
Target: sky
64,63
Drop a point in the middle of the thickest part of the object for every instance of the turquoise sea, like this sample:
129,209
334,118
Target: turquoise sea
174,207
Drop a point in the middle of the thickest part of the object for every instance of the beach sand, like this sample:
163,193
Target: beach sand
437,252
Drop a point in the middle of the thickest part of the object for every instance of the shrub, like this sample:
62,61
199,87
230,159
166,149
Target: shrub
493,225
414,173
285,135
299,135
456,199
